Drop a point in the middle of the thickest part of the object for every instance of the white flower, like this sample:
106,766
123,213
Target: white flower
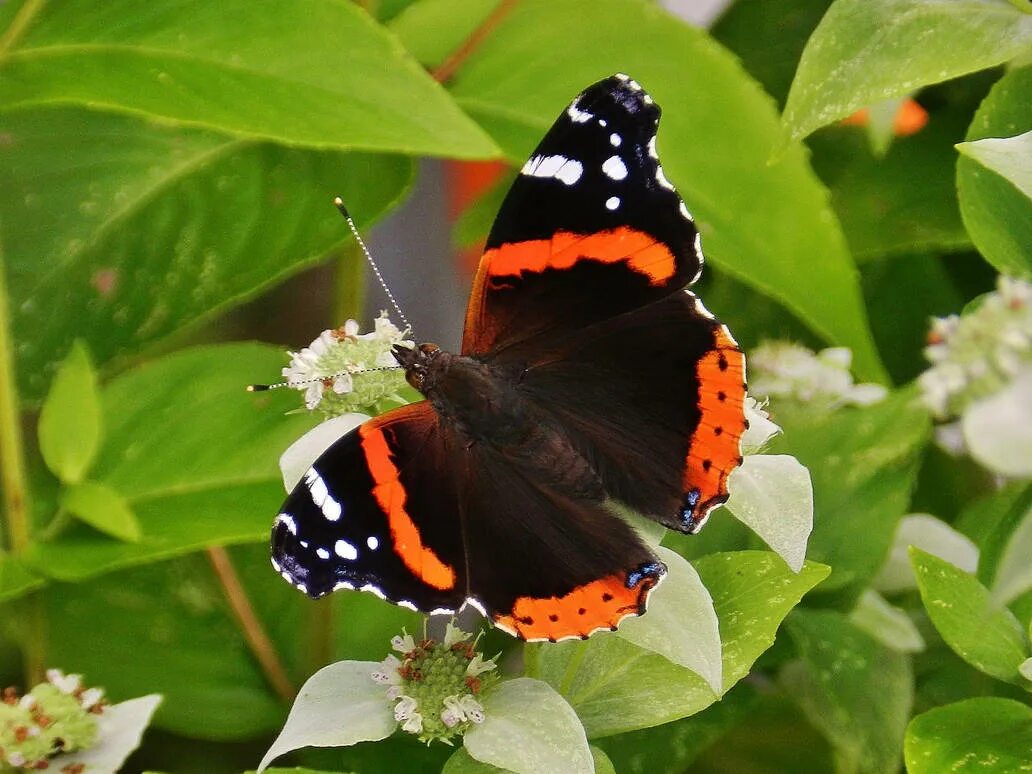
479,665
64,683
403,643
388,674
471,708
760,430
414,724
405,708
452,713
784,370
91,697
453,635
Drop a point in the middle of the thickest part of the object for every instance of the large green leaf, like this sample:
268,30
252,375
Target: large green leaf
308,72
855,690
618,687
120,231
868,51
996,205
15,579
768,224
979,630
987,735
863,463
192,453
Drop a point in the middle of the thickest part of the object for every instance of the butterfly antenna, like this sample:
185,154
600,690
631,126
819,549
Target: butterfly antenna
303,382
339,203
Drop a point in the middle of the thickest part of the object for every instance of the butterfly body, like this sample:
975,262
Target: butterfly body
589,374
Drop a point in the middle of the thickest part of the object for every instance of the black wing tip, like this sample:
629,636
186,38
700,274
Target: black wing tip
623,91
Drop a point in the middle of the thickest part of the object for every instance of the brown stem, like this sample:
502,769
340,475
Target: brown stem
455,60
257,640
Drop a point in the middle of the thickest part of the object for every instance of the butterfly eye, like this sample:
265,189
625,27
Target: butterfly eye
415,377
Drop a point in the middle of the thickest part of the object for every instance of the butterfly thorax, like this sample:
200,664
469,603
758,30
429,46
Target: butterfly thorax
482,403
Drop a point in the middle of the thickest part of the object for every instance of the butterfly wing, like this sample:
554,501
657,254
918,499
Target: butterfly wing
591,228
402,508
583,284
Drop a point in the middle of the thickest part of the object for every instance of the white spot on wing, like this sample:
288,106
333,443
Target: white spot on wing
561,168
322,553
288,520
373,542
614,140
345,550
321,496
615,168
577,115
612,202
602,122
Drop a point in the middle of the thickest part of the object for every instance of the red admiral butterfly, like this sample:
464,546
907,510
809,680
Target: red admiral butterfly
588,372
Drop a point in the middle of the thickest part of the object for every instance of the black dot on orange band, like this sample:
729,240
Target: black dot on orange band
526,621
721,396
553,618
707,464
718,430
607,597
582,611
746,424
722,362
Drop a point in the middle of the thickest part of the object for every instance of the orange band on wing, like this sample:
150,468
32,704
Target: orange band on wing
390,494
715,448
640,251
601,604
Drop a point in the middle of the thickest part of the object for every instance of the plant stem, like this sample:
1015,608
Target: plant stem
455,60
349,285
16,497
19,24
257,639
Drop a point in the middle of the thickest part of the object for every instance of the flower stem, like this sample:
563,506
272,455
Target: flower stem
455,60
257,639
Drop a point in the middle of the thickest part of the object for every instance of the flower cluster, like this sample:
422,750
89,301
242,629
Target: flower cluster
57,716
436,685
783,370
323,370
979,353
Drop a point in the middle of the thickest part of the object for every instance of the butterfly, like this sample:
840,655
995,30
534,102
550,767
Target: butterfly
589,373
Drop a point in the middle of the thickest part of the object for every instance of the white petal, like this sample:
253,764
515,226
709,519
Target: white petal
773,496
342,383
301,454
866,394
681,624
931,535
528,728
338,706
760,430
1014,573
120,729
313,394
998,430
351,328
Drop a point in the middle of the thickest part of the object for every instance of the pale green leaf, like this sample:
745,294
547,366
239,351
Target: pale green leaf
70,421
852,688
302,73
869,51
888,624
998,429
987,735
119,731
996,207
681,623
1014,572
929,534
1009,157
773,496
982,632
103,508
529,728
339,705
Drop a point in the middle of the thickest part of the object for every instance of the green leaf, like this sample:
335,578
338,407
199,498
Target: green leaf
681,623
990,520
167,628
193,454
1014,575
103,508
16,580
70,422
852,688
430,33
617,687
461,762
528,728
889,625
995,203
869,51
764,223
168,225
903,202
339,705
984,734
929,534
863,463
983,633
238,67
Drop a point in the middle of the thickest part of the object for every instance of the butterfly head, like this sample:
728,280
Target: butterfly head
417,362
